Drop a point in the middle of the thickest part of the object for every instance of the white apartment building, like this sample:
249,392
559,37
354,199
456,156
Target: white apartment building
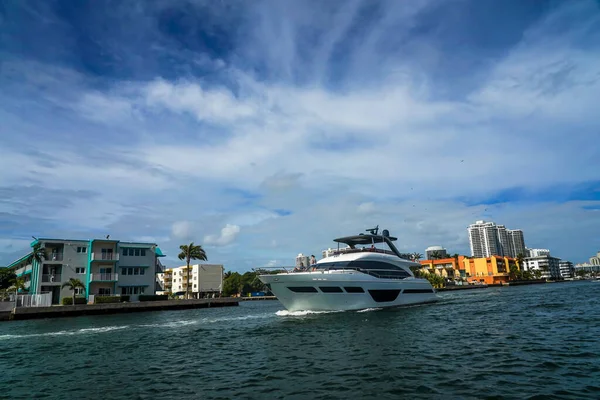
205,279
549,266
302,260
567,270
596,259
488,239
537,252
442,252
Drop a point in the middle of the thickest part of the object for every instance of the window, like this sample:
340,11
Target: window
104,291
143,252
142,271
133,290
303,289
80,270
137,252
330,289
78,290
353,289
81,249
125,251
136,271
124,271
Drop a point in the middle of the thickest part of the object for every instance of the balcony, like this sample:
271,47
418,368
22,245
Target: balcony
54,257
105,256
51,278
104,277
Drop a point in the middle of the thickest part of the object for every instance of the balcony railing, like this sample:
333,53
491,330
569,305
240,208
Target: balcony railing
51,278
54,257
105,256
104,277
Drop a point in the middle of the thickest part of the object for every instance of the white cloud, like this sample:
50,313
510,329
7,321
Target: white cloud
376,141
182,230
227,236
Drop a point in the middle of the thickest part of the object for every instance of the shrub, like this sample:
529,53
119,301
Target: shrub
153,297
124,298
68,301
106,299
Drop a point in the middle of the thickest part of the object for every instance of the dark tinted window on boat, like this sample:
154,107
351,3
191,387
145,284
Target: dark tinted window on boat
302,289
330,289
353,289
333,265
368,265
390,274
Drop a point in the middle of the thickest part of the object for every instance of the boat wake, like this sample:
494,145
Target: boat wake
286,313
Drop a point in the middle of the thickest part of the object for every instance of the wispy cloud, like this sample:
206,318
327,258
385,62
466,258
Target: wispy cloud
246,123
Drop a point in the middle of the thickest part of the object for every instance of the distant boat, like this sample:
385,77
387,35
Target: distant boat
354,278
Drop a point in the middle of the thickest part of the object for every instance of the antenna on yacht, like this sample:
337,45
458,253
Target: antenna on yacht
373,231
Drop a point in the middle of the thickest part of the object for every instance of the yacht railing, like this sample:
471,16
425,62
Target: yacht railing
381,274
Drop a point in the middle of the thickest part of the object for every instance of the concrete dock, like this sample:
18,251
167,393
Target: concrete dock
21,313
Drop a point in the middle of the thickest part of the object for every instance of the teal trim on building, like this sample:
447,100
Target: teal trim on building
25,273
19,261
36,241
89,269
158,252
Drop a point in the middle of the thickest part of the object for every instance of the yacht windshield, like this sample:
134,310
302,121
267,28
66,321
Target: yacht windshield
376,268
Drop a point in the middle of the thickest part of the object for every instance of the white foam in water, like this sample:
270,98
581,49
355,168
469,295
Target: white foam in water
67,333
370,309
286,313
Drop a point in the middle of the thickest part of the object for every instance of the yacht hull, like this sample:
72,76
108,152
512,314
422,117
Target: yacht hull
330,291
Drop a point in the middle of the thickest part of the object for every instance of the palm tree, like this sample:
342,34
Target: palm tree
73,284
38,254
417,256
191,252
520,260
436,255
18,284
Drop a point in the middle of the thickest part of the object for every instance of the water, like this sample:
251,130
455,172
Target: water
540,341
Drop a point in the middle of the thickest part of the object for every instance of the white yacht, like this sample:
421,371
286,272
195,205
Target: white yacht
362,275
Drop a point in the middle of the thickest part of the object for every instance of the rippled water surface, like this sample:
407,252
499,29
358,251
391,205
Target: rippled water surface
540,341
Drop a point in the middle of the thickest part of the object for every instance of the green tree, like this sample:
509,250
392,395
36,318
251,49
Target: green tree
417,256
73,284
515,273
436,255
231,284
18,284
38,255
7,277
191,252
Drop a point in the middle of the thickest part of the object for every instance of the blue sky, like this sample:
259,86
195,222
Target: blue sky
263,129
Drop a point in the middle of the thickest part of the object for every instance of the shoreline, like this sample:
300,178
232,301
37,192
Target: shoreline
24,313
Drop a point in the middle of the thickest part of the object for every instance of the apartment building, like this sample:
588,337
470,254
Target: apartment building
536,252
548,266
105,266
566,268
489,270
488,239
435,250
205,280
447,267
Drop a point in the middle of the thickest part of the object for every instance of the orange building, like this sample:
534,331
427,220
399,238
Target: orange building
490,270
453,268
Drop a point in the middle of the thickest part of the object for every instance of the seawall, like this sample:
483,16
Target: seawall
117,308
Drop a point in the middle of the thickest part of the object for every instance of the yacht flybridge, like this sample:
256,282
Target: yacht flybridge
362,275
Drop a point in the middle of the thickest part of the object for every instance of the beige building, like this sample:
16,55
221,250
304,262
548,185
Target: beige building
205,279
